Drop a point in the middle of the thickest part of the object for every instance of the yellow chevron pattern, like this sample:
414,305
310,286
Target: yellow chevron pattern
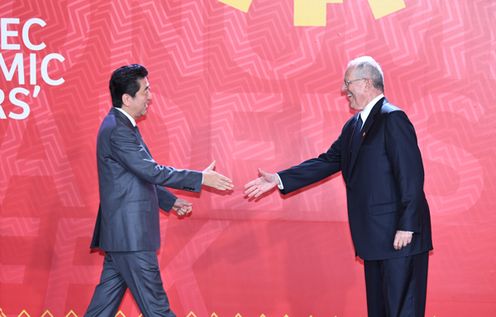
239,82
71,313
314,12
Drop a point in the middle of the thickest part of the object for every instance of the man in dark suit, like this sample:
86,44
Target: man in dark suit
131,193
378,156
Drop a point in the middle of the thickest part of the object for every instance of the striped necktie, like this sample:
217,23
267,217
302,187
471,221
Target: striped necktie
355,141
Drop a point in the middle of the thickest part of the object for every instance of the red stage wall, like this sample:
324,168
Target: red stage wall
250,84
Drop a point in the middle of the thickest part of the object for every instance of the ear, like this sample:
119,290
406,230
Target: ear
125,99
368,83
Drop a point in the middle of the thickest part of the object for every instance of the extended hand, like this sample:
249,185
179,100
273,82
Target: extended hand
213,179
402,239
182,207
261,185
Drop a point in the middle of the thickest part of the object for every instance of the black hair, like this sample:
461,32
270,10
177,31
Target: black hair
124,80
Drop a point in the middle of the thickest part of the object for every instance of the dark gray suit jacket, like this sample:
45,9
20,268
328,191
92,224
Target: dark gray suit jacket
384,182
130,188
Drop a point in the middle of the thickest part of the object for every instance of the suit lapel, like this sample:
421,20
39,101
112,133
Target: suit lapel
371,118
124,120
364,132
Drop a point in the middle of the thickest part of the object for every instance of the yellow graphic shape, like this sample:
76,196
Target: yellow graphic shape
314,12
47,313
381,8
243,5
71,313
24,313
311,12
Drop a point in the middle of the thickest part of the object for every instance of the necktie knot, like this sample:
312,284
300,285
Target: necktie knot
359,123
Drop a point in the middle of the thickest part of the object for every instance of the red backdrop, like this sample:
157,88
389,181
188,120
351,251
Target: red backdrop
250,89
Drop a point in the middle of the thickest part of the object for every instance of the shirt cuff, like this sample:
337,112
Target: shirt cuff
280,185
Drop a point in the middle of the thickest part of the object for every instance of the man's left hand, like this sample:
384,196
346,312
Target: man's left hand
182,207
402,239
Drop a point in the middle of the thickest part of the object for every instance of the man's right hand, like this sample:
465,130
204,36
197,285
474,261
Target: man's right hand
215,180
266,182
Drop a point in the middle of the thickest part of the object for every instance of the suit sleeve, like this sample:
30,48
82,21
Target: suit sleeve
130,153
166,199
406,162
312,170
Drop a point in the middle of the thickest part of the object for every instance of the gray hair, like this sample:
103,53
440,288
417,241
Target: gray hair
367,67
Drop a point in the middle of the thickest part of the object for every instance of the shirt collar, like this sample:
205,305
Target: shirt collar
133,122
366,111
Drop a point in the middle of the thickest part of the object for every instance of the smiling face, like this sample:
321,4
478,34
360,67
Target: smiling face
356,88
137,106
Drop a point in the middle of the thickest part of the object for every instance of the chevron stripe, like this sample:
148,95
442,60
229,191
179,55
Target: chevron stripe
249,90
19,226
63,272
180,271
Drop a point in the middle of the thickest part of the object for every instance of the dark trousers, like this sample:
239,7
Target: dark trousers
138,271
397,287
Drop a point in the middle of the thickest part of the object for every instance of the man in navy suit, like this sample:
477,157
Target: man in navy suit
378,156
131,193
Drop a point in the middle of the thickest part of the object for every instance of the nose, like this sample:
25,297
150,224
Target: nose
344,89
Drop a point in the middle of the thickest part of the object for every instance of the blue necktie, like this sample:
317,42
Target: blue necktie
355,141
140,138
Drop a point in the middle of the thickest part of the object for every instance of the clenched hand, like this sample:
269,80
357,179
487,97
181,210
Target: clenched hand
182,207
402,239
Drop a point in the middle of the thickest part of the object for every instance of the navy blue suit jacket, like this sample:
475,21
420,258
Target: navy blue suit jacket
130,188
384,182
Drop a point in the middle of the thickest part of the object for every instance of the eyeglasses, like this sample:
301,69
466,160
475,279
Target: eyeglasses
348,82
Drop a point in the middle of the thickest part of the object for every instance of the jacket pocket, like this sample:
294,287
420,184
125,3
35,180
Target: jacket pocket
383,208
